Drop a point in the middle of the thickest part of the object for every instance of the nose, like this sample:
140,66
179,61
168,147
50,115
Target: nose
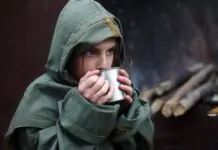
103,62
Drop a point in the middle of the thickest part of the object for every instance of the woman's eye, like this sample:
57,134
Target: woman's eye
89,53
111,51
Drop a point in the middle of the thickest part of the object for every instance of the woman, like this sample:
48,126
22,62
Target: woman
65,108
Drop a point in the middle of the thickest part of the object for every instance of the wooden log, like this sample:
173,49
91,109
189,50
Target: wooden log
152,93
147,94
192,98
167,86
213,112
196,67
195,80
164,87
158,103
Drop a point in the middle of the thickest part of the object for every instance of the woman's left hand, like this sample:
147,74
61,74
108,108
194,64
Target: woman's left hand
125,86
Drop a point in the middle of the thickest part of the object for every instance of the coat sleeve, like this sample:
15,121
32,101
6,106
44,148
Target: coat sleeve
81,125
135,130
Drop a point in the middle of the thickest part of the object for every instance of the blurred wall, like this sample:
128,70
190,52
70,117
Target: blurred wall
26,31
164,36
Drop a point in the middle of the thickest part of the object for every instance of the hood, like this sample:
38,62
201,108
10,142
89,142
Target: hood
80,21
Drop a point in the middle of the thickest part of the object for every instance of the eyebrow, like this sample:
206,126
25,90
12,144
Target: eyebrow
113,47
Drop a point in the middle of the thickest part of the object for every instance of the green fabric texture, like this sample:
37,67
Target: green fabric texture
52,115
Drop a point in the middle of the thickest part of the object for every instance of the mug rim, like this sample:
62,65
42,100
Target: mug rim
105,69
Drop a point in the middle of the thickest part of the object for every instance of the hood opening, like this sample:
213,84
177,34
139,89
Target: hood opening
80,22
97,33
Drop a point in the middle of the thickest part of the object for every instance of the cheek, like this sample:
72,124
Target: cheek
78,67
89,64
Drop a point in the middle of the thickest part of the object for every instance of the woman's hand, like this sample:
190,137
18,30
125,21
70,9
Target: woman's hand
125,86
95,88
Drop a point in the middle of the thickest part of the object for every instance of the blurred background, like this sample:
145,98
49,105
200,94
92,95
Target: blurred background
162,37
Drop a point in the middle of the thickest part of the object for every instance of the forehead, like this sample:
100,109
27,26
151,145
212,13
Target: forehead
106,44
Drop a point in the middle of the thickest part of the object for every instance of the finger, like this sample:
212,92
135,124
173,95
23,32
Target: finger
102,91
128,99
127,89
124,80
107,97
87,95
124,73
89,74
98,85
83,86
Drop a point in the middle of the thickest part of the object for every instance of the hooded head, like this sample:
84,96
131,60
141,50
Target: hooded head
82,24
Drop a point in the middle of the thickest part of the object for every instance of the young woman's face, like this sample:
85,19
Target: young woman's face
99,57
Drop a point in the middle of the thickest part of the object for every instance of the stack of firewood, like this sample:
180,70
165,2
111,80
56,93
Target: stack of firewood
176,96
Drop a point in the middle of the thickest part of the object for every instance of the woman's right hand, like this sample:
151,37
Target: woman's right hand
95,88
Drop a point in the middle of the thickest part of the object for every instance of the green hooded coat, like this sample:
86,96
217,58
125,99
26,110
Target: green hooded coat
52,115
